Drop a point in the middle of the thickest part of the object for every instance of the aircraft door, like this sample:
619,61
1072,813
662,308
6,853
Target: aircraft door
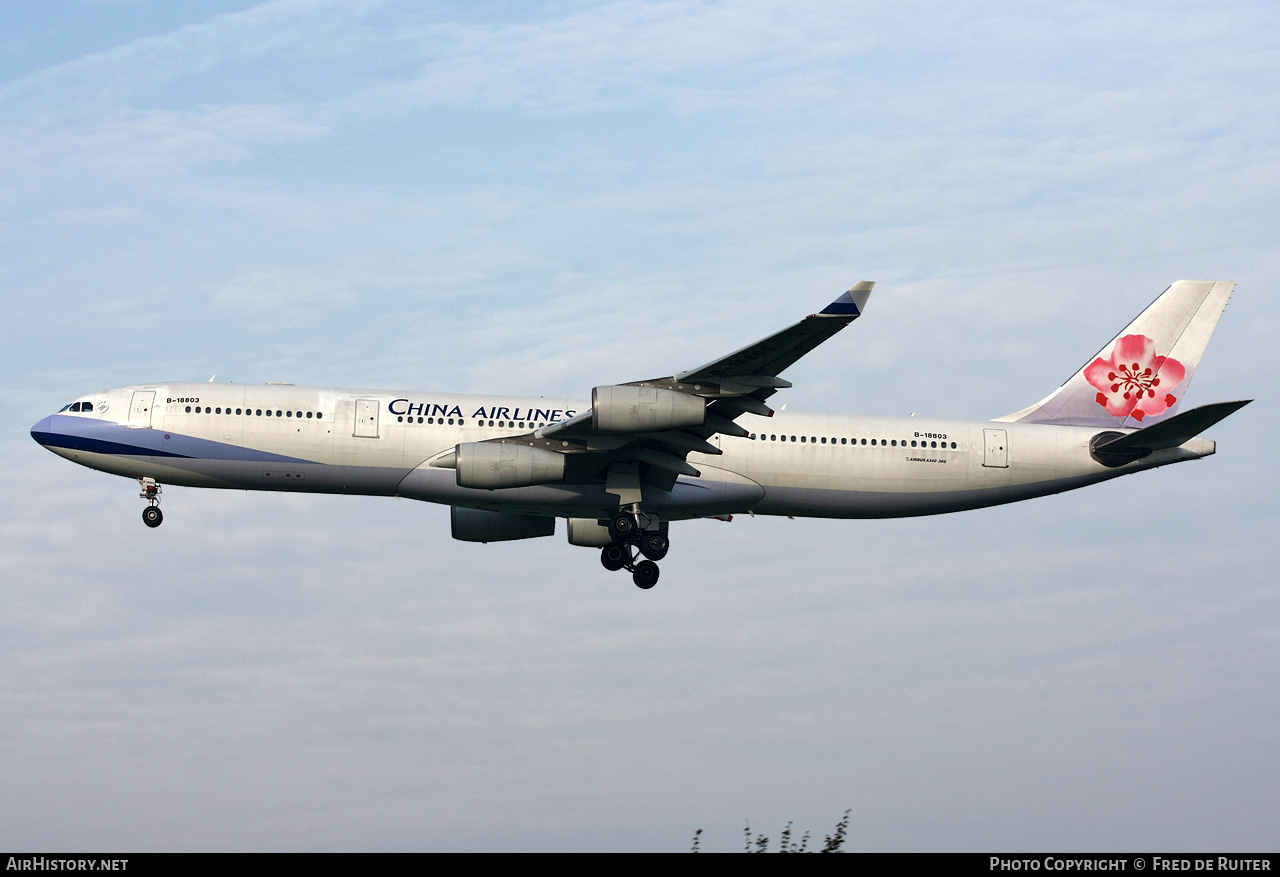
366,418
140,409
997,449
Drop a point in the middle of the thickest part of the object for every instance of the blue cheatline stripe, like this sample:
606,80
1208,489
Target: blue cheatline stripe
97,446
842,308
84,434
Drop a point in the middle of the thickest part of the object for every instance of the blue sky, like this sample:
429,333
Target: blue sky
506,198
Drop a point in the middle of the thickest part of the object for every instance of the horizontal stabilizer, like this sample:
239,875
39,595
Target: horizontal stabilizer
1171,433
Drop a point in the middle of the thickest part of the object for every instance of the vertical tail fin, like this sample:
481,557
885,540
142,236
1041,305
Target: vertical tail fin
1143,373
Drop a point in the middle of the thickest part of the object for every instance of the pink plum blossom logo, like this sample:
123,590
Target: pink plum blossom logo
1134,381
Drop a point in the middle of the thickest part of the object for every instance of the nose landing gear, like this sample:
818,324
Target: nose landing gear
151,515
629,541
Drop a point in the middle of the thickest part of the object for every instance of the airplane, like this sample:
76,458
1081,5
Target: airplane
701,443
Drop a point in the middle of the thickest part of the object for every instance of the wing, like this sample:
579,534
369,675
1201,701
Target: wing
651,426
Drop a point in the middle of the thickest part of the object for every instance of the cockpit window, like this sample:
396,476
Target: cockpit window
76,407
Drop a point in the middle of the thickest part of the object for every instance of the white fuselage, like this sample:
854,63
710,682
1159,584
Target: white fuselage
374,442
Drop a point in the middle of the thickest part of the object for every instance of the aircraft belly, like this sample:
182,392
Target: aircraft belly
718,491
166,470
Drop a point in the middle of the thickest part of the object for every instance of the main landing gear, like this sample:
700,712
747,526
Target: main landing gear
151,515
628,541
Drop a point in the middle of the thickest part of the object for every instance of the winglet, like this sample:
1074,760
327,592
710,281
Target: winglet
851,303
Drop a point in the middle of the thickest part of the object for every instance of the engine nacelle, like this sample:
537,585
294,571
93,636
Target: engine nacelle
588,532
491,465
644,409
478,525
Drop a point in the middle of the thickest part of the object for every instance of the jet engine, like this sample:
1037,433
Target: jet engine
478,525
492,465
644,409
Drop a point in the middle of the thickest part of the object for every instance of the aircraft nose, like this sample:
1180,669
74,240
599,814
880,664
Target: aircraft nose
41,430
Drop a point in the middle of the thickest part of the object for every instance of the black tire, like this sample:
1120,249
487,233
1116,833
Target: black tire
622,527
152,516
646,574
654,545
614,556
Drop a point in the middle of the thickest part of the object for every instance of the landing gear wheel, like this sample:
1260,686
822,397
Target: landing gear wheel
614,556
646,574
152,516
654,545
622,527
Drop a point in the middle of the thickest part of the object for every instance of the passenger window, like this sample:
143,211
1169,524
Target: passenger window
399,418
188,409
237,411
801,439
308,415
268,412
844,441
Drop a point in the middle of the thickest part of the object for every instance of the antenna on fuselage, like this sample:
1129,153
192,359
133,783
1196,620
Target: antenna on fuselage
211,377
